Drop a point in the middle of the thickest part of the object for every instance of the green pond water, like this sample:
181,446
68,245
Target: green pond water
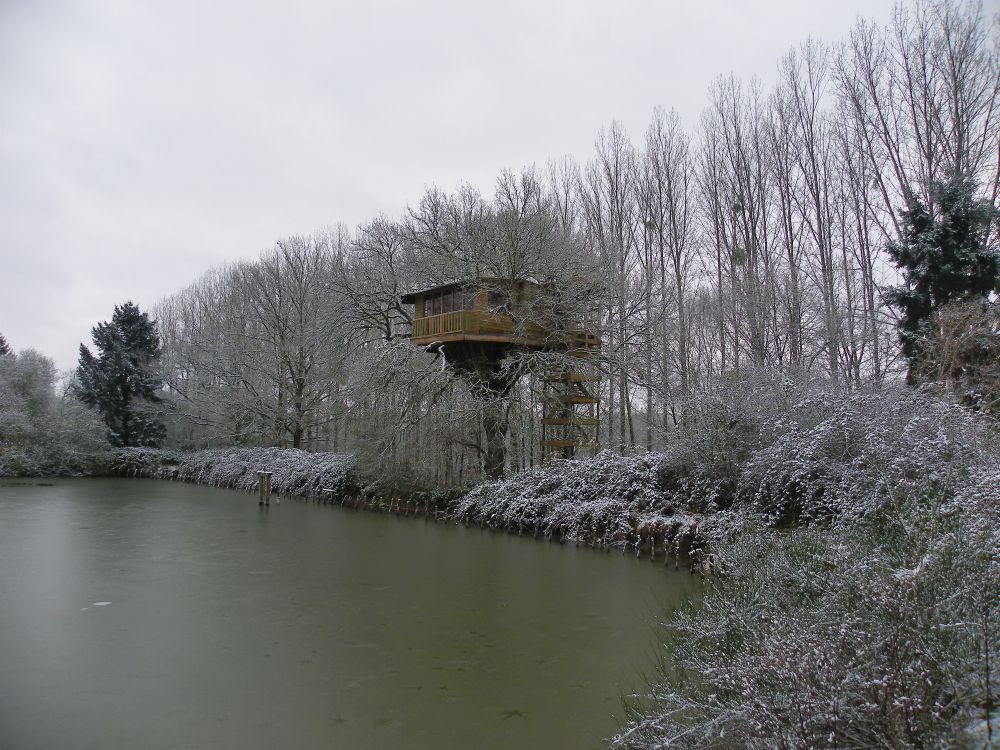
147,614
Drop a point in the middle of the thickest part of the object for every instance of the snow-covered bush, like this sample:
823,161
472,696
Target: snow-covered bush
737,416
294,472
611,500
869,449
879,633
43,432
770,449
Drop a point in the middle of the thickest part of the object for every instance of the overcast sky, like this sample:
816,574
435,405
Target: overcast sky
142,143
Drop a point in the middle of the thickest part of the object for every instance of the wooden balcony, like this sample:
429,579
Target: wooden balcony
446,323
498,328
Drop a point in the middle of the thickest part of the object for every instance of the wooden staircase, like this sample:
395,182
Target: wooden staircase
570,412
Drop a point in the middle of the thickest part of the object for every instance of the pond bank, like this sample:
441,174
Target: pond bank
608,513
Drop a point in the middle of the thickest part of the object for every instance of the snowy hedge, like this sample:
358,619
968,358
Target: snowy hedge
859,600
769,451
882,632
608,500
866,450
294,472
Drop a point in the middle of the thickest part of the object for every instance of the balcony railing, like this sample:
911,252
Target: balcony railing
476,322
460,321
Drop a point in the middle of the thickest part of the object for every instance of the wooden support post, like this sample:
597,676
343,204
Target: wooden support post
264,485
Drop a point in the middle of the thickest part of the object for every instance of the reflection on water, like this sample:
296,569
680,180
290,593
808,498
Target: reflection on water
138,613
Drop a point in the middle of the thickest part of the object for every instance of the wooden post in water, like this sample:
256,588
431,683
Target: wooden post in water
264,484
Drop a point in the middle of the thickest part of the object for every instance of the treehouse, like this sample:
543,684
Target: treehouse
495,314
475,324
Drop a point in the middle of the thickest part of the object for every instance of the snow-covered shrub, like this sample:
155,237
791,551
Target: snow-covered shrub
871,448
571,497
769,448
609,499
294,472
736,416
43,432
878,633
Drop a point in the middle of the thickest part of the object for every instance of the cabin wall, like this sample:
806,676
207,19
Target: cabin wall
518,297
426,305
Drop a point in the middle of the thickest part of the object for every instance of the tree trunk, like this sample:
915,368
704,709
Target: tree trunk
496,426
495,387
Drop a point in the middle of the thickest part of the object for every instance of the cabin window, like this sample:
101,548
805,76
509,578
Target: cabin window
498,298
455,300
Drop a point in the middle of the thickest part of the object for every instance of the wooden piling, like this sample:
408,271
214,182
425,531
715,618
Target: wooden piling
264,485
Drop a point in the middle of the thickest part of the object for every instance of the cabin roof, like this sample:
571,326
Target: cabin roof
410,298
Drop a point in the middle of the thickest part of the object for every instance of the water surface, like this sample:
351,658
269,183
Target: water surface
147,614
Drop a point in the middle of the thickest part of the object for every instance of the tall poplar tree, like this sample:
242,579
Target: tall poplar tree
122,380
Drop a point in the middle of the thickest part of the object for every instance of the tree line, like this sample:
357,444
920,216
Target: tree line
767,235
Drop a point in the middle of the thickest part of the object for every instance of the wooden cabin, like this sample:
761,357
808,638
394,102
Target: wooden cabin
479,322
493,311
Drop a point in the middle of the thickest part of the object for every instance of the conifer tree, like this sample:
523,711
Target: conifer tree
122,380
4,347
946,257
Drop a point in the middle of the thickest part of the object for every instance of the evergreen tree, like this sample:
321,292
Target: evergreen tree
945,257
4,347
122,380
